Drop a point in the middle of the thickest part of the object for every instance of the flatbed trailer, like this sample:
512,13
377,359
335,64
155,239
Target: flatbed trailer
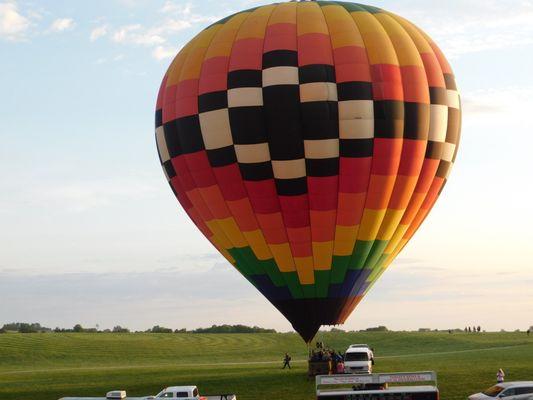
384,386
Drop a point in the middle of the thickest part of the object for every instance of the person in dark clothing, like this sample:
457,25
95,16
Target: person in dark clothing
287,361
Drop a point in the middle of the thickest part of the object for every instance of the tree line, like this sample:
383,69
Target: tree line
23,327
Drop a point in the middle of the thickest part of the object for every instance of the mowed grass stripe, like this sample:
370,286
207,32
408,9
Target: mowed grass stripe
48,366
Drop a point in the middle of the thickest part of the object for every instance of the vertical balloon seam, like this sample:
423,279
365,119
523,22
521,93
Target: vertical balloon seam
191,212
403,155
395,250
321,284
247,269
356,281
378,272
267,137
331,289
362,277
285,278
432,46
311,292
251,266
219,236
299,6
446,69
314,255
329,292
186,166
162,98
392,254
346,286
383,220
265,272
349,298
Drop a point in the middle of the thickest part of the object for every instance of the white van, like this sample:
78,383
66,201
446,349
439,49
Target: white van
358,359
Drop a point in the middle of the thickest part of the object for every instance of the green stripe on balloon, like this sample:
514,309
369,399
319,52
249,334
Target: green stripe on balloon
322,279
339,266
375,253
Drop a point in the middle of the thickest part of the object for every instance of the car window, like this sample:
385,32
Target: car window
508,392
524,390
182,394
356,357
493,391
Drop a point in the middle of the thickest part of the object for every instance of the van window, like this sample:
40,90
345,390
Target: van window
195,392
508,392
182,394
524,390
166,395
356,357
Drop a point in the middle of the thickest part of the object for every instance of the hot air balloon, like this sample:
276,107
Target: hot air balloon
308,141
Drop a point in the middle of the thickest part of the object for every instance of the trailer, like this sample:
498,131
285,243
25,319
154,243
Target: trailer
383,386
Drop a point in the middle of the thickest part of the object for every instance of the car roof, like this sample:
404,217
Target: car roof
515,383
180,388
358,350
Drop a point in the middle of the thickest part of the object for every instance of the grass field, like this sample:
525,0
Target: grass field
49,366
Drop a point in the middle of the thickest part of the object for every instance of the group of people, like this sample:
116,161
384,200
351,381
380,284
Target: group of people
473,329
321,354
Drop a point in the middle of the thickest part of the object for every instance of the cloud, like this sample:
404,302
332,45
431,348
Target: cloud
98,32
472,26
163,52
62,24
13,25
177,18
136,34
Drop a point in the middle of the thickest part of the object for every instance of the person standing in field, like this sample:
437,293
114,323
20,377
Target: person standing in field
287,361
500,376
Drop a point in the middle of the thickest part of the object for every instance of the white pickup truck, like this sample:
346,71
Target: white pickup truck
171,392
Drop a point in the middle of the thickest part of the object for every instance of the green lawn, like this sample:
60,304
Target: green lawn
49,366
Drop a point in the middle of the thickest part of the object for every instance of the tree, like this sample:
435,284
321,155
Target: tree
119,329
380,328
77,328
160,329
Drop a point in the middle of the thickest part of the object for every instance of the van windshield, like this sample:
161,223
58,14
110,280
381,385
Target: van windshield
356,357
493,391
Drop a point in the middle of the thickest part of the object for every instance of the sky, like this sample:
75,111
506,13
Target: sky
90,232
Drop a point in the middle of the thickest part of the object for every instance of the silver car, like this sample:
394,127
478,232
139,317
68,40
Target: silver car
519,390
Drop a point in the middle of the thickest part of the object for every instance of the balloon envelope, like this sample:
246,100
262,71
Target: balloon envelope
308,141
